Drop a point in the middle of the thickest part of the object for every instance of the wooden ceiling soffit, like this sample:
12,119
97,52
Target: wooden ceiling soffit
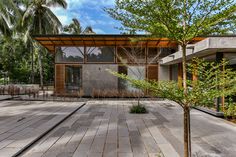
52,41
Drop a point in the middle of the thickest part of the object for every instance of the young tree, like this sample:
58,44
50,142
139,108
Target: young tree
133,57
212,83
180,21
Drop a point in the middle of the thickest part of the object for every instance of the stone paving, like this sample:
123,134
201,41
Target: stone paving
5,97
22,122
106,129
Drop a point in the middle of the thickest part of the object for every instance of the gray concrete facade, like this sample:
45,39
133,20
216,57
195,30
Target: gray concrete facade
205,47
164,73
96,76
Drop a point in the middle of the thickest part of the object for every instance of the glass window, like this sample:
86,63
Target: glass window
131,55
154,54
69,54
100,54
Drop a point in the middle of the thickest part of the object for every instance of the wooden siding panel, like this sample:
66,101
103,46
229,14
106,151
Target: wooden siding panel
152,72
60,79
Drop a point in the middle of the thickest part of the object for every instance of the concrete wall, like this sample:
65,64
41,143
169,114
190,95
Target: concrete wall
95,76
164,73
205,47
175,72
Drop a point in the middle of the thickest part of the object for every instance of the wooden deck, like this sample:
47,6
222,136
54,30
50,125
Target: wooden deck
104,129
107,129
23,122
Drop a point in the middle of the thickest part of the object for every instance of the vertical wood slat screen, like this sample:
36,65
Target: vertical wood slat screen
60,79
152,72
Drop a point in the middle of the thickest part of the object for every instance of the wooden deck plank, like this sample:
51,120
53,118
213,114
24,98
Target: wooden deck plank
44,116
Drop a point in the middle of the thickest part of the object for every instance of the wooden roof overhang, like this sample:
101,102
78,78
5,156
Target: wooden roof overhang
50,42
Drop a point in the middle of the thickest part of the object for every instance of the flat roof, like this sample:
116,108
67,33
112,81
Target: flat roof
50,42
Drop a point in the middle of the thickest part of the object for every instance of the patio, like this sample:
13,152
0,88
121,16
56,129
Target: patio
105,128
24,122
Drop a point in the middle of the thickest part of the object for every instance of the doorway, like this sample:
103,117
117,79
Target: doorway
73,78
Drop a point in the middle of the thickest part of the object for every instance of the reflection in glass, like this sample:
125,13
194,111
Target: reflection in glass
131,55
69,54
73,78
100,54
154,54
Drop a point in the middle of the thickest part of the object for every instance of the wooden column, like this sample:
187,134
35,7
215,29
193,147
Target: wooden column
60,78
170,73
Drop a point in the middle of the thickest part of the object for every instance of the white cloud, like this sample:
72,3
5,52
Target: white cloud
64,19
98,31
88,12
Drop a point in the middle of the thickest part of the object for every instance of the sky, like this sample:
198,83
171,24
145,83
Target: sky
89,13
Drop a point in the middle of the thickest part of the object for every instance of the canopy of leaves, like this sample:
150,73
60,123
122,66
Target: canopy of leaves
19,54
40,17
73,28
177,20
8,16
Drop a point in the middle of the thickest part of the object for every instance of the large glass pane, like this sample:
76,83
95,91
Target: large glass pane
100,54
73,78
69,54
155,54
131,55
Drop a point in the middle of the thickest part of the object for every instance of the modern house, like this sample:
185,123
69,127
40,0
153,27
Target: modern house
81,61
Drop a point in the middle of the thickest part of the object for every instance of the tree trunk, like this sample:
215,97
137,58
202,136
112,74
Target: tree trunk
40,68
40,57
187,146
32,63
184,69
186,107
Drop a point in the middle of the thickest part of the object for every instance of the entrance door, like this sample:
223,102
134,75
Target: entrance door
73,78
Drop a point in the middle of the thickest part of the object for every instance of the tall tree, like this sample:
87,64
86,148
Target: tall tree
8,17
41,20
180,21
88,30
73,28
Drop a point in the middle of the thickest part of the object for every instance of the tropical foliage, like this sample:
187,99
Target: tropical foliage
73,28
22,60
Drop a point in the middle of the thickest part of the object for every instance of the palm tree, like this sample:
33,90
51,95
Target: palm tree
8,17
41,20
73,28
88,30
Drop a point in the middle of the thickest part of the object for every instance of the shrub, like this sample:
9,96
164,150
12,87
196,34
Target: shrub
138,109
230,111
